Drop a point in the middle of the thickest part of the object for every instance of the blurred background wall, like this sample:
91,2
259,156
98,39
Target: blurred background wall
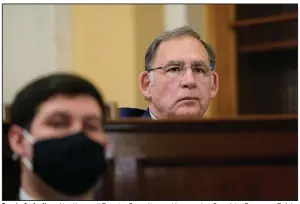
37,39
105,43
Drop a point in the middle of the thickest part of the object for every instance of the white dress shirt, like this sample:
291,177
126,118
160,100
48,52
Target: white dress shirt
152,116
24,196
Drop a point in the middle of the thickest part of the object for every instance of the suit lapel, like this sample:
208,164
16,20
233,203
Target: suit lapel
146,114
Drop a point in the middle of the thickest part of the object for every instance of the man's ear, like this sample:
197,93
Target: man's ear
144,82
15,140
214,85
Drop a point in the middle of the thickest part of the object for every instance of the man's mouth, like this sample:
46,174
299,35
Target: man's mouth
188,99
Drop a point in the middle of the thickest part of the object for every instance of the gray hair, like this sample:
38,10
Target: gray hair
167,35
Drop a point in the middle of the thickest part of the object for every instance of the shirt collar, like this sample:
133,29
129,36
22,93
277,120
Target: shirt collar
152,116
24,196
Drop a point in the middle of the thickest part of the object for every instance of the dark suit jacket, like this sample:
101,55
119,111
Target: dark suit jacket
10,180
10,169
134,112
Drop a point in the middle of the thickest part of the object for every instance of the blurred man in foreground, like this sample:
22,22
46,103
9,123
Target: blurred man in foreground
179,77
57,131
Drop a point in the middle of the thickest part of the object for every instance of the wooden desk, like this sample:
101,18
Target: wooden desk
218,159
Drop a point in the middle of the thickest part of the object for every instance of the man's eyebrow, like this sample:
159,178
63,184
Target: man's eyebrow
58,113
175,62
198,62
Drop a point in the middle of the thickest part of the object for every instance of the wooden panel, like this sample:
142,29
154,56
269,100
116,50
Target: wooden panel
217,182
276,32
245,158
222,38
237,33
271,46
267,56
266,20
246,11
268,85
112,110
224,159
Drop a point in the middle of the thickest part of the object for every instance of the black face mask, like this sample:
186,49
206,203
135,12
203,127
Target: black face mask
70,165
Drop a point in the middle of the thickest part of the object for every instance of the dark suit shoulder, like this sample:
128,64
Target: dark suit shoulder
125,112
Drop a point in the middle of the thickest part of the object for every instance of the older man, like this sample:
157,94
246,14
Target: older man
179,77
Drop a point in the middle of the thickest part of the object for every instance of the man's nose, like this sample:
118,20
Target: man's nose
77,127
188,79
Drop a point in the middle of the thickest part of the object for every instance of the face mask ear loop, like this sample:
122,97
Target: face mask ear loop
15,156
30,139
27,163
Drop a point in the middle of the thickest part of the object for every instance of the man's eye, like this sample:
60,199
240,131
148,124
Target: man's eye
200,70
173,69
59,124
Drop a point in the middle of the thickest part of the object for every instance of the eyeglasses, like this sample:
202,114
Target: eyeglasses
177,71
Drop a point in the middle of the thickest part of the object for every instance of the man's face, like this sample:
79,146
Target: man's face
188,94
63,115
